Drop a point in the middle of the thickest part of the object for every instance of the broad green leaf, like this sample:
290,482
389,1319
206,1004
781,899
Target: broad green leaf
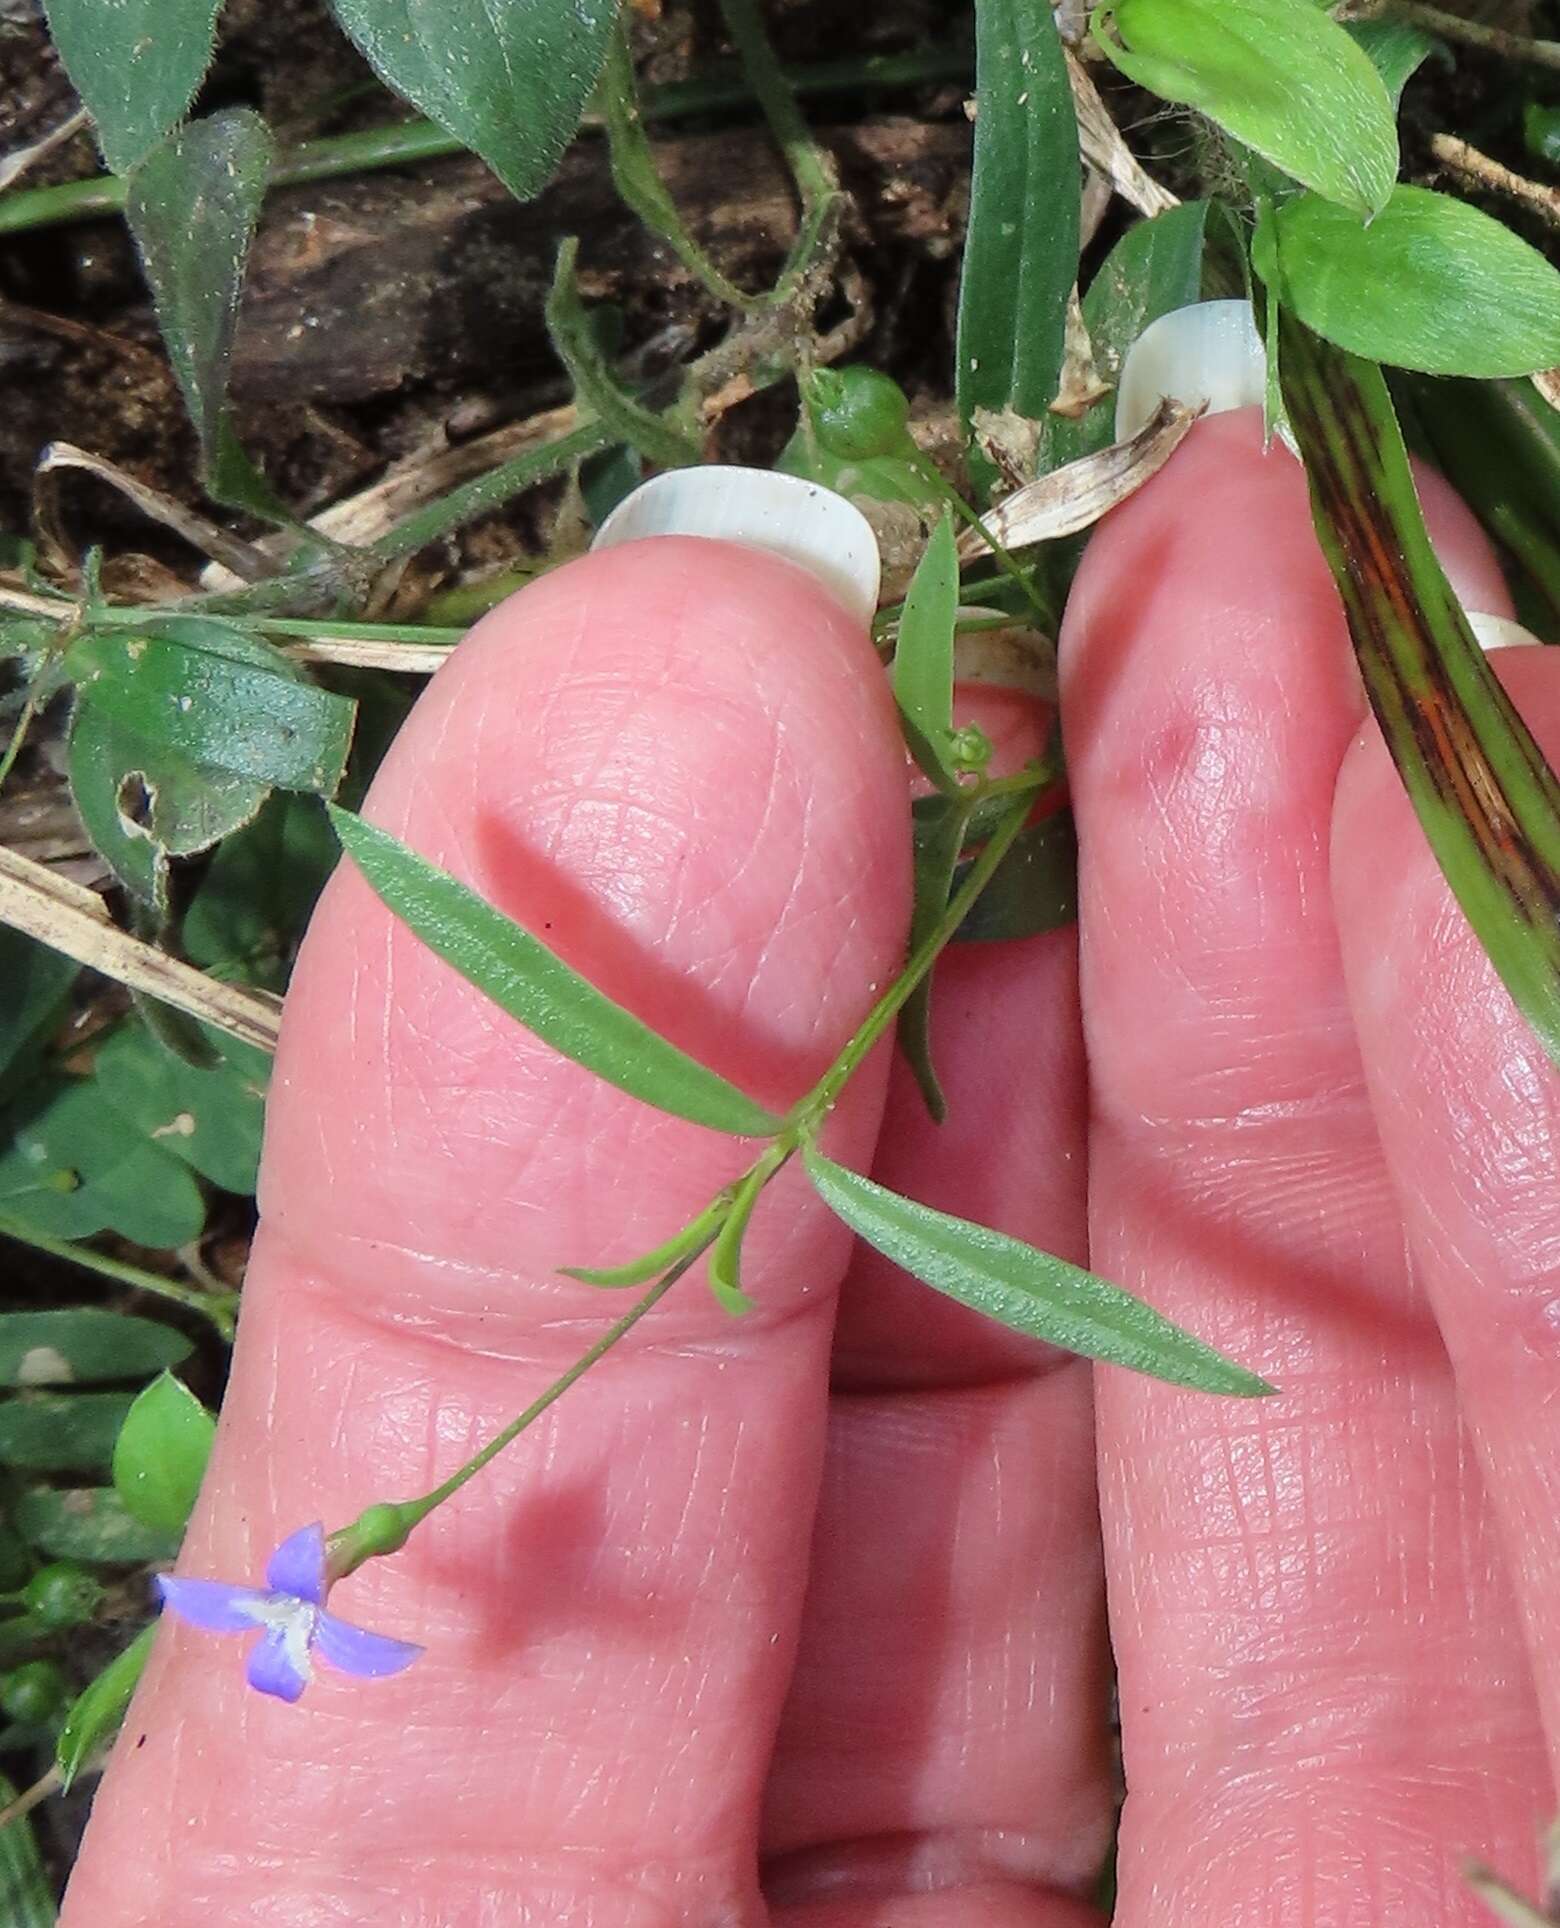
1488,802
192,205
1395,49
523,977
658,438
1155,268
68,1168
61,1432
136,65
211,1119
217,697
95,1717
88,1523
83,1346
36,981
26,1894
1035,887
161,1453
939,825
1030,1291
923,657
1021,252
509,80
1431,284
1282,77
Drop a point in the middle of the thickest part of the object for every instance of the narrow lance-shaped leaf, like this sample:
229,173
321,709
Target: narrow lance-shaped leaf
509,80
192,207
923,656
1489,803
523,977
1021,252
1030,1291
98,1710
1282,77
136,65
1431,284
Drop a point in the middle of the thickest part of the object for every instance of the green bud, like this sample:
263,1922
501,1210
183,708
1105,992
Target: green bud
62,1595
858,413
969,748
33,1693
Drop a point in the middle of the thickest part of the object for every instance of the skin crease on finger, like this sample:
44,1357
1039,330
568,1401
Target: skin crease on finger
680,762
1469,1104
1325,1703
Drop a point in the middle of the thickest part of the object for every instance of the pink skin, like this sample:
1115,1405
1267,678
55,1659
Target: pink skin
709,1621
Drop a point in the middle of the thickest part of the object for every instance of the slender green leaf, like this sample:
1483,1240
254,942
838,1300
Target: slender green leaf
725,1267
509,80
923,657
1034,889
1282,77
656,437
161,1453
192,207
1022,1288
209,1118
136,65
61,1432
652,1264
1155,268
68,1168
1489,803
95,1717
88,1523
1021,252
527,980
26,1895
1431,284
83,1346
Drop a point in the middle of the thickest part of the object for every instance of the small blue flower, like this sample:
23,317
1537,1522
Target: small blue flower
291,1610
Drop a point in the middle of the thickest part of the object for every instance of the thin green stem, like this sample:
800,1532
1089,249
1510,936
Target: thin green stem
493,490
812,1109
811,168
930,473
409,142
220,1310
13,749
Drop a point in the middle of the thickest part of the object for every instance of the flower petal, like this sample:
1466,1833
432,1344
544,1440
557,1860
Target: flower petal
212,1604
355,1650
274,1666
298,1565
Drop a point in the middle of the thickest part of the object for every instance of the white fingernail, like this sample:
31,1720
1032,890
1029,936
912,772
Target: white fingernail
804,522
1206,356
1497,632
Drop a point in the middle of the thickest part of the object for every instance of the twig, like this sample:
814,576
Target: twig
242,558
44,905
1452,26
20,159
1465,159
1105,150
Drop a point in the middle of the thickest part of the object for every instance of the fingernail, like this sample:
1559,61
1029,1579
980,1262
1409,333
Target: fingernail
1206,356
1497,632
783,514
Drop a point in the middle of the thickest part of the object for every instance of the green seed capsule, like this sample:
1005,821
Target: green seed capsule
32,1694
62,1595
858,413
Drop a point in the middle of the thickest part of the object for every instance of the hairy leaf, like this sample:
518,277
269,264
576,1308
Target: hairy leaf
508,80
1021,253
523,977
1030,1291
136,65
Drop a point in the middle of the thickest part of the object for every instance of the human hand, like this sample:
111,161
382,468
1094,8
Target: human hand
653,1674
